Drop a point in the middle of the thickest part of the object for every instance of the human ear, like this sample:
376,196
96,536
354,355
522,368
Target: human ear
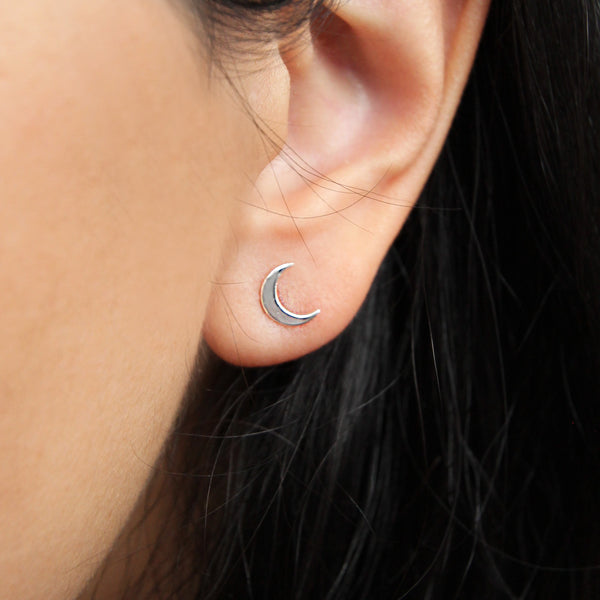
373,89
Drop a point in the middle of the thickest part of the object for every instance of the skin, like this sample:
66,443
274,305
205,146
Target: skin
131,179
121,157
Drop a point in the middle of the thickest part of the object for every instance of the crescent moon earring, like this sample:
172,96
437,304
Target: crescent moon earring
272,304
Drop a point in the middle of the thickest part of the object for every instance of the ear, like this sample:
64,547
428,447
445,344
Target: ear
373,90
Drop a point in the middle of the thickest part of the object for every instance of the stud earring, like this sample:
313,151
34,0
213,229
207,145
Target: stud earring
272,305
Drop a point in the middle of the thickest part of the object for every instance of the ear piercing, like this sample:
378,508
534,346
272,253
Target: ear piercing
272,305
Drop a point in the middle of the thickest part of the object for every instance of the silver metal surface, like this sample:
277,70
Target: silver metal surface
272,305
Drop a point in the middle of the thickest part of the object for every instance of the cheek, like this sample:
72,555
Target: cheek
119,165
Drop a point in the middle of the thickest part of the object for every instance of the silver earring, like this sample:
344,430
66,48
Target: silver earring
272,305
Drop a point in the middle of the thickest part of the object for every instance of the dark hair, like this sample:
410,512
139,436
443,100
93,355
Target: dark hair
446,445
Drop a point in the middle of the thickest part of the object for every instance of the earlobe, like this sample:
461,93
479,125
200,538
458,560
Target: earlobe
372,95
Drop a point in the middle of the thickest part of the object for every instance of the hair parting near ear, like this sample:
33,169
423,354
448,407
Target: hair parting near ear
446,444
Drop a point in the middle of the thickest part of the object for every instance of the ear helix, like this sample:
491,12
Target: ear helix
272,304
